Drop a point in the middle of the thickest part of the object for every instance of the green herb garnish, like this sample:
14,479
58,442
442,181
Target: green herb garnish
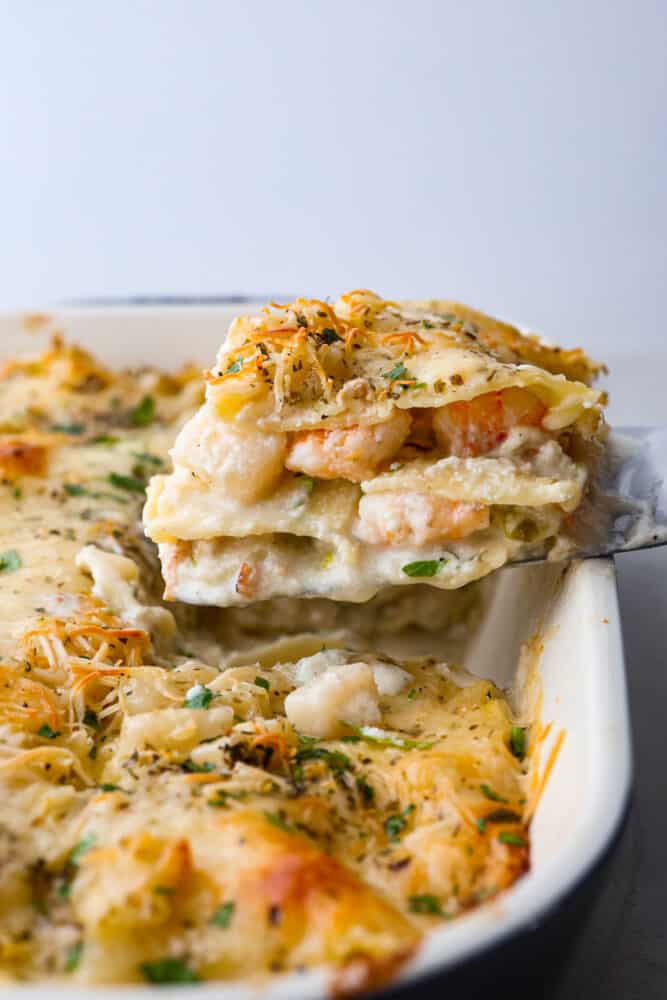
168,970
395,825
10,561
73,429
129,483
47,733
223,915
262,682
366,791
425,567
329,336
198,696
307,482
73,956
399,371
336,761
104,439
90,719
192,768
84,845
497,816
277,819
108,787
513,839
518,741
235,367
383,739
425,904
143,413
490,794
146,458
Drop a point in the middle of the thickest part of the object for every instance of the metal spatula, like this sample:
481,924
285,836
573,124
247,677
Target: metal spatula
627,508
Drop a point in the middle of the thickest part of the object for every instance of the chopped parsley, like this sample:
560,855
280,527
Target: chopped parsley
497,816
382,738
104,439
235,367
307,482
84,845
108,787
513,839
426,323
192,768
10,561
329,336
399,371
426,904
490,794
143,413
366,791
334,759
518,741
395,825
425,567
47,733
130,483
90,719
73,429
198,696
278,820
223,915
262,682
77,490
146,458
73,956
168,970
412,694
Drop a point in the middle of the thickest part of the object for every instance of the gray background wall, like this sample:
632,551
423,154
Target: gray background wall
512,154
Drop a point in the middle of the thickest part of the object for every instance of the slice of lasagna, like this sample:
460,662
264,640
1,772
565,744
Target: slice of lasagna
344,448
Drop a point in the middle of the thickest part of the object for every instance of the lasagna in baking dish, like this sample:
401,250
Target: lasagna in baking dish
188,796
344,448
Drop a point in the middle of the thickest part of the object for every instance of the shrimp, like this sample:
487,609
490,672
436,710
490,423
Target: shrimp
353,453
416,519
245,462
476,426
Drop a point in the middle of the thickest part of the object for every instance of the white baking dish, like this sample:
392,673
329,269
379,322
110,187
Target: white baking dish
581,670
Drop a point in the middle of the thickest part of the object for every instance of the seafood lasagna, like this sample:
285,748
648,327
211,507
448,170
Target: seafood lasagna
189,796
345,448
